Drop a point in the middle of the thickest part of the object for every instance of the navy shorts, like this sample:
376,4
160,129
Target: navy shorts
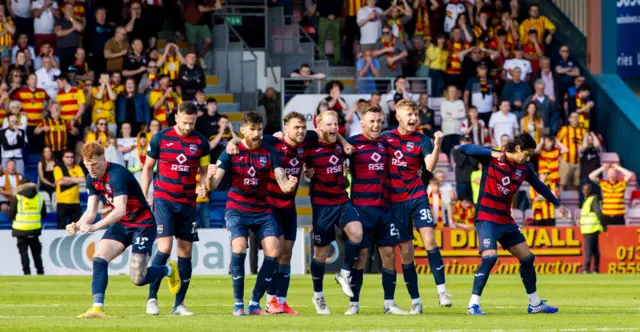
327,217
176,219
407,214
239,223
287,220
140,239
377,226
491,233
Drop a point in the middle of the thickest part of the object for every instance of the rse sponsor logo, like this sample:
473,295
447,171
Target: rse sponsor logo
397,161
503,188
180,168
334,169
250,182
292,171
376,167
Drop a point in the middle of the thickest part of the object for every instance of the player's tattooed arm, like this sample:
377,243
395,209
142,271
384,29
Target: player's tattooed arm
431,160
287,184
87,218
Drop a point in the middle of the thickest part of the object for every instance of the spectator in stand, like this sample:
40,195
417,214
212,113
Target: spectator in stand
475,128
390,51
46,78
20,12
22,65
200,102
456,47
541,24
191,78
436,62
532,123
299,86
154,127
9,181
15,108
516,92
470,63
591,225
116,49
572,91
112,154
582,105
126,142
151,80
517,61
68,31
503,123
353,117
481,93
426,115
225,134
136,27
549,78
32,100
544,213
334,100
453,9
613,208
45,12
171,60
396,17
464,166
46,51
566,69
376,98
476,178
99,133
483,32
13,140
533,50
502,46
72,100
367,67
571,137
400,92
23,46
510,26
103,99
270,102
423,18
351,29
589,155
207,123
464,213
370,25
135,159
14,82
56,131
7,31
164,102
199,33
46,181
99,34
80,68
453,112
330,12
440,206
135,64
546,108
68,178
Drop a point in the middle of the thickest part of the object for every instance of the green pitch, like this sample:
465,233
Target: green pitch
587,303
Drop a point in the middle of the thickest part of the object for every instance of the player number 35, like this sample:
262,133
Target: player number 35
425,214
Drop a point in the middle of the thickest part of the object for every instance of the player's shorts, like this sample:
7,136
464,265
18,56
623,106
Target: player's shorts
287,221
377,226
327,217
490,233
140,239
407,214
239,223
175,219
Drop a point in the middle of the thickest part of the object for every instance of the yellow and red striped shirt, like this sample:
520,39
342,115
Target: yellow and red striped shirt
437,209
58,133
549,160
70,103
171,66
79,11
6,40
32,104
571,138
455,65
613,198
353,6
464,216
171,102
423,27
543,209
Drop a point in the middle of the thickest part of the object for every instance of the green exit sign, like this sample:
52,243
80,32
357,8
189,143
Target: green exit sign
234,20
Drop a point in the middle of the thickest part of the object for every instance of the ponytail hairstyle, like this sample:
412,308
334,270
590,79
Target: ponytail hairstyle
524,141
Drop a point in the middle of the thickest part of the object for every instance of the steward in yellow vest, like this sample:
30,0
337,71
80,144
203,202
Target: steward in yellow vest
27,211
591,226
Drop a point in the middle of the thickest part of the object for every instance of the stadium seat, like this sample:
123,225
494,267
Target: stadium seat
518,216
450,177
33,159
576,216
563,222
443,161
569,197
633,217
4,221
609,158
50,221
635,198
528,217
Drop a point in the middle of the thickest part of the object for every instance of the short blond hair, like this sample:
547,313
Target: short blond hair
324,114
407,103
371,109
92,150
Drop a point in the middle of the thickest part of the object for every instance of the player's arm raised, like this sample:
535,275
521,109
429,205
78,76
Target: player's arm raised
87,218
118,212
214,176
287,184
480,152
431,160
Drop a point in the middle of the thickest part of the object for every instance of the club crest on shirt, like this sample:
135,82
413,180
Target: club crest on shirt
107,187
486,243
339,148
300,152
409,146
381,147
193,148
518,174
263,161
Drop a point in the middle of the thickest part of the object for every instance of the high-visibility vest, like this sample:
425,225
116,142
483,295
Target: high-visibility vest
29,215
589,222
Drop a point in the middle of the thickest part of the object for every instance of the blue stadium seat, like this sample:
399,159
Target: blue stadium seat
32,175
33,159
84,197
4,221
219,196
216,214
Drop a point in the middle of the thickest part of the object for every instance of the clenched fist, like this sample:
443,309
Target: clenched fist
72,229
211,171
438,136
291,184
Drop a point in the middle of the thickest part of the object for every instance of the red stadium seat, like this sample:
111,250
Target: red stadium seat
443,161
635,198
609,158
450,177
633,217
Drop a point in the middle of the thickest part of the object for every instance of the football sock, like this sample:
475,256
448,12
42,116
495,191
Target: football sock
100,280
356,284
265,277
159,259
351,254
185,269
481,275
411,279
528,276
475,299
389,284
317,274
273,285
437,265
284,272
155,273
237,276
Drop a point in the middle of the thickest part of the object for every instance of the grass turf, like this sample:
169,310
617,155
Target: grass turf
587,303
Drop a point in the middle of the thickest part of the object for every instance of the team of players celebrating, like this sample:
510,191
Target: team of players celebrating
387,201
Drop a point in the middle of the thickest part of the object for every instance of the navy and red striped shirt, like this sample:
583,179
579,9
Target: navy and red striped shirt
118,181
328,185
369,171
249,172
292,159
500,181
406,157
179,159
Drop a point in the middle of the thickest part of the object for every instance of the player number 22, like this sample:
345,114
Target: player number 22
425,214
392,230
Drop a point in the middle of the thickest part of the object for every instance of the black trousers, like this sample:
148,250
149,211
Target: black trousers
24,244
613,220
545,222
352,31
591,249
67,213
